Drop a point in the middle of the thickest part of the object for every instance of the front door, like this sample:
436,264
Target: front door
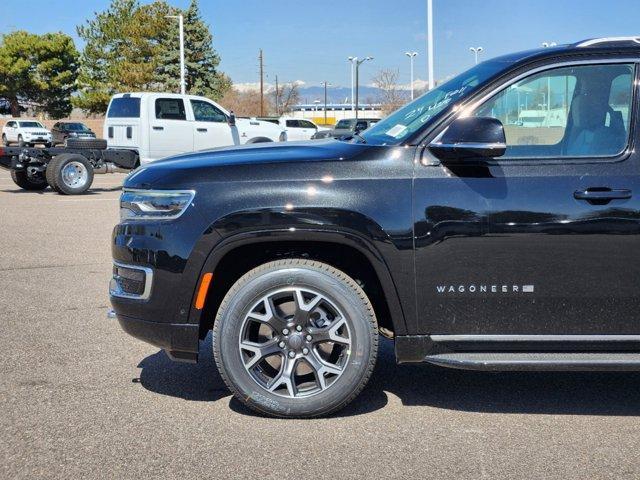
546,239
211,128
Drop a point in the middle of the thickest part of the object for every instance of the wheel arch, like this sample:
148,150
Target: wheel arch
351,253
259,140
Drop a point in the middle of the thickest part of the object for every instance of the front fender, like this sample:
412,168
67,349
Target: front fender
309,225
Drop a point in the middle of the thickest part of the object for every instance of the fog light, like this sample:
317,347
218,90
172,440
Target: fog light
131,281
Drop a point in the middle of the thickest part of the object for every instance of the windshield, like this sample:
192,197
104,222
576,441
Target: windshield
401,124
30,125
76,127
345,124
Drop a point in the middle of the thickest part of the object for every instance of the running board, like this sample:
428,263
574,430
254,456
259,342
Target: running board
498,361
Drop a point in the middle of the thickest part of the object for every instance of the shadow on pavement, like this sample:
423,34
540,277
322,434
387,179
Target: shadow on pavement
564,393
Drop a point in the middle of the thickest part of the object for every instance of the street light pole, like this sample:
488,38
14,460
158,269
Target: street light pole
180,18
411,56
325,83
358,63
352,60
476,51
430,41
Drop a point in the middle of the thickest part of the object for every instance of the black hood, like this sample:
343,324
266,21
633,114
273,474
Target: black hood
199,164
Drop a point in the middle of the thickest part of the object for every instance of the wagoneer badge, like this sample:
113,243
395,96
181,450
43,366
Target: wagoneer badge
484,288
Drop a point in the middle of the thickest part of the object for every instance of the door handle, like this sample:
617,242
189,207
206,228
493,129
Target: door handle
602,194
202,129
158,128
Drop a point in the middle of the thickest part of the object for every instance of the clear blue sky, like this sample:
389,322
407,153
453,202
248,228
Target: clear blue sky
310,40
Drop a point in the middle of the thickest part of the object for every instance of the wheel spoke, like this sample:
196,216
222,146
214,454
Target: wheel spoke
270,317
285,377
330,333
303,307
321,367
259,350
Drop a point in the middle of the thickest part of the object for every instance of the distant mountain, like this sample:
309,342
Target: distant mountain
338,94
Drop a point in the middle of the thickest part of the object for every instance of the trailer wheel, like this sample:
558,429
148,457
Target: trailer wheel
26,182
70,174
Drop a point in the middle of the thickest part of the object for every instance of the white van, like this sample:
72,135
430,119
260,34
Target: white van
159,125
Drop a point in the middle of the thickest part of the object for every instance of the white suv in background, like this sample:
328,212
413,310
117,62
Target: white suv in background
159,125
25,133
296,128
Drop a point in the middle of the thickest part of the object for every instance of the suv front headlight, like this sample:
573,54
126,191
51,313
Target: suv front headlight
154,204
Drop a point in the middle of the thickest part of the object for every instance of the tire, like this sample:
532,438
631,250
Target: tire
69,174
5,142
325,382
24,181
48,145
21,141
86,143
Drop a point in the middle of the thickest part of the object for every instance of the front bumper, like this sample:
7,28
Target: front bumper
177,339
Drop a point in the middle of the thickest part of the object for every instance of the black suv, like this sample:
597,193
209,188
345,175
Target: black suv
63,130
491,224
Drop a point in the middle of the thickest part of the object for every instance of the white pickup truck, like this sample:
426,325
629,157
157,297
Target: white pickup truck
159,125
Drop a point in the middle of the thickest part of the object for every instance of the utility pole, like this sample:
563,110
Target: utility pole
358,63
261,84
183,86
325,83
277,93
430,41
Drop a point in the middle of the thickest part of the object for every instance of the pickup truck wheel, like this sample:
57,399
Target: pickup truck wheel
259,140
27,182
70,174
295,338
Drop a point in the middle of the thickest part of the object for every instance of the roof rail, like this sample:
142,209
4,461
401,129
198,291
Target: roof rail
596,41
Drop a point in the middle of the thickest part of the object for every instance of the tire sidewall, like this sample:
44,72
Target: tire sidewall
342,295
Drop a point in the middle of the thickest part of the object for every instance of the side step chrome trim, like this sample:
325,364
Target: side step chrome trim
535,338
498,361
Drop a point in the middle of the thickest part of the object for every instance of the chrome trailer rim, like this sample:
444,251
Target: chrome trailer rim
295,342
75,174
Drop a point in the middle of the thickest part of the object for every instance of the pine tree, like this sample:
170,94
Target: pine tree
201,60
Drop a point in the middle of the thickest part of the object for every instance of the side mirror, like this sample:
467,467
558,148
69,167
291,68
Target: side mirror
232,119
469,138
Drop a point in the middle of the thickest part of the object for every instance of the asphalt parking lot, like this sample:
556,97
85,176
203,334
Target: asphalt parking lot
81,399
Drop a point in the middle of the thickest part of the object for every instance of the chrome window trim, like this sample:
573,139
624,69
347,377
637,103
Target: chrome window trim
148,282
535,338
160,193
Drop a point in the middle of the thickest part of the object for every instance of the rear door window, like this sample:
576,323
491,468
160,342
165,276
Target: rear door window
124,107
293,124
170,109
306,124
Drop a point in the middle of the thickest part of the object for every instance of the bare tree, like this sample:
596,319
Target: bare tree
243,104
286,96
391,96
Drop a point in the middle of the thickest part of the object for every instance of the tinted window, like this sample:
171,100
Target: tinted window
306,124
11,124
207,112
345,124
124,107
170,109
565,112
76,127
293,124
30,125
